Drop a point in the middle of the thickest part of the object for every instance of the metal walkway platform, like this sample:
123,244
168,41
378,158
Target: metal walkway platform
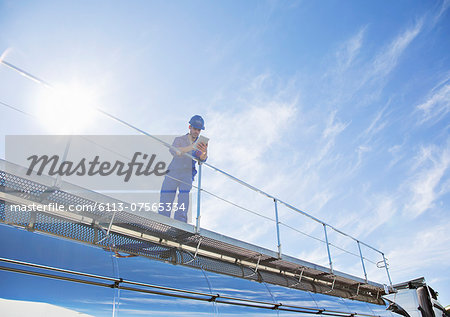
161,238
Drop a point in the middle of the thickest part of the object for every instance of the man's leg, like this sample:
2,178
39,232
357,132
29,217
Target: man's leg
183,199
168,191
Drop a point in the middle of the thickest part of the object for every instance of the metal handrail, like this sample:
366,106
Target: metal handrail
243,183
255,189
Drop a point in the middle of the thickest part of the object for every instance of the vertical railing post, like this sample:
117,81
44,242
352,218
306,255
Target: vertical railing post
328,247
362,260
278,228
197,224
387,269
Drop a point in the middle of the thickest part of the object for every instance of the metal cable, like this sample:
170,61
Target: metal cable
16,109
24,73
236,205
351,253
346,251
301,232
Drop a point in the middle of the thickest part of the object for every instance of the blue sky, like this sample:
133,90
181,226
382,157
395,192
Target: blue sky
340,108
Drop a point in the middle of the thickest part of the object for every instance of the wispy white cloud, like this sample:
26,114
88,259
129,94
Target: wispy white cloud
437,105
361,150
424,248
388,58
349,50
377,124
357,79
384,208
326,141
333,127
444,7
425,186
397,152
251,130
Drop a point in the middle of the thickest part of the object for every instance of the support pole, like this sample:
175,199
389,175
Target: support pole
387,269
362,260
278,228
197,225
328,247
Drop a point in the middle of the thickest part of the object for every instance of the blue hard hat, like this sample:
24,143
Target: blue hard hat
197,122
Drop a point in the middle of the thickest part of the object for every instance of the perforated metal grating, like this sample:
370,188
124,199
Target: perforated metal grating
2,210
171,242
25,187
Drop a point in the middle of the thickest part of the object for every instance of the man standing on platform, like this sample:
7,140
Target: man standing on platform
182,170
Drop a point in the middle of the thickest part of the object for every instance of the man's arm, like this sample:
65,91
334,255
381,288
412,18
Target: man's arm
185,149
180,150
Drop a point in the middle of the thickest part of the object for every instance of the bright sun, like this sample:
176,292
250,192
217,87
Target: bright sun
66,109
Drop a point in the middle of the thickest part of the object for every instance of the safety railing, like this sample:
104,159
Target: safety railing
276,201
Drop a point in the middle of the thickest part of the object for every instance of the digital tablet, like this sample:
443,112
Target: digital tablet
201,139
